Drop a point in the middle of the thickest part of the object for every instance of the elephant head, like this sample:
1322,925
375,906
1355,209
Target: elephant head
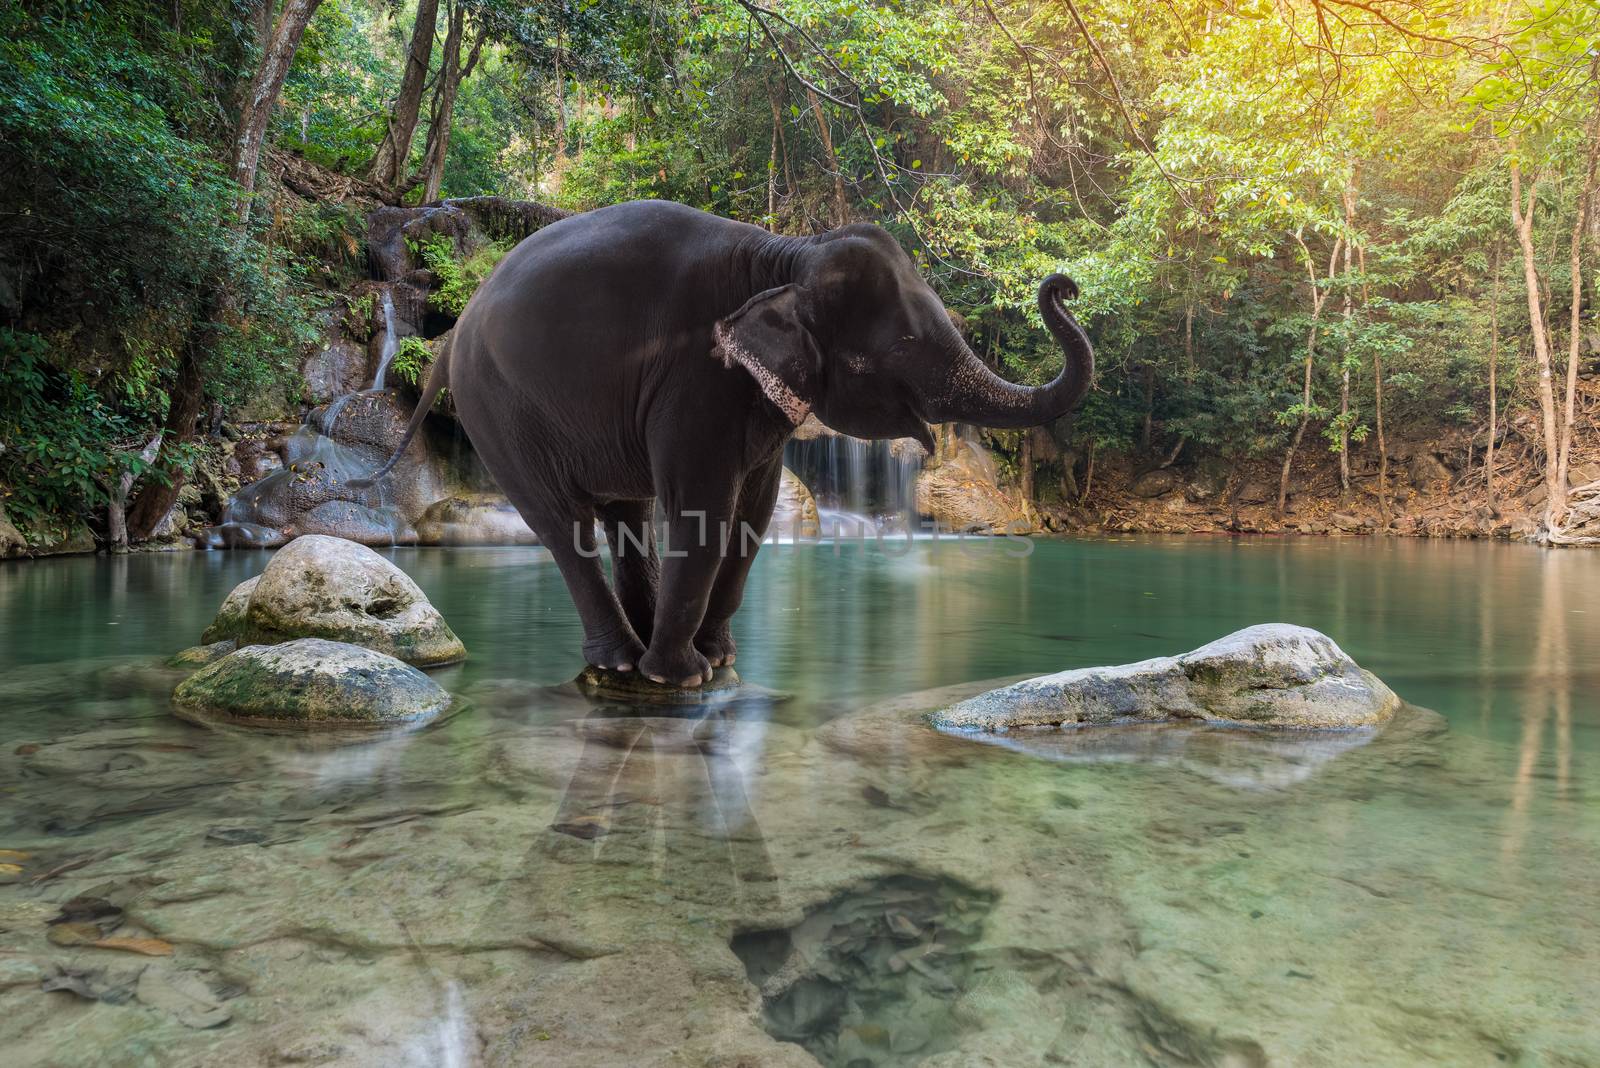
860,339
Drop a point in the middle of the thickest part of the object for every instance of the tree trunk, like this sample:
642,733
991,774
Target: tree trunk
1494,365
116,507
1069,476
783,142
392,163
451,75
1318,299
841,205
1574,338
1025,465
559,163
1147,429
263,97
772,179
580,105
1522,222
155,500
1377,400
1188,337
1344,363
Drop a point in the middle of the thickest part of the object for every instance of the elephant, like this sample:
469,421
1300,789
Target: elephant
649,351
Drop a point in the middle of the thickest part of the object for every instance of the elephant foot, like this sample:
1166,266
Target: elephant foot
616,654
686,667
716,644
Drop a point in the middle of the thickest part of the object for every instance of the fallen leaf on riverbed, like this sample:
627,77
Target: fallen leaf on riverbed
13,854
150,947
74,934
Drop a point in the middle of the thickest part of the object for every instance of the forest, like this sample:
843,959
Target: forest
1337,256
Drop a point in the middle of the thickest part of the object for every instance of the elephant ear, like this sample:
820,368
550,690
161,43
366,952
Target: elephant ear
770,339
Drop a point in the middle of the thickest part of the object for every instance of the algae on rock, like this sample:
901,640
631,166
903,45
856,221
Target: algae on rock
309,682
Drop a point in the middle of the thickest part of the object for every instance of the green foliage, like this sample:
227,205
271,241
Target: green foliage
344,75
412,359
63,445
1189,166
458,276
115,224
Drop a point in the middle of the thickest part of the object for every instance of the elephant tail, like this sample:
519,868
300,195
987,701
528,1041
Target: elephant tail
438,379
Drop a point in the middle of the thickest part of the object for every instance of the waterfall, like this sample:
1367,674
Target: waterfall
316,467
390,344
861,487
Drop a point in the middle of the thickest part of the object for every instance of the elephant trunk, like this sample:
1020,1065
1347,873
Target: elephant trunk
975,394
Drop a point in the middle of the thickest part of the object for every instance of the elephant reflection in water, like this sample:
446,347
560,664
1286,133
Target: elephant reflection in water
668,794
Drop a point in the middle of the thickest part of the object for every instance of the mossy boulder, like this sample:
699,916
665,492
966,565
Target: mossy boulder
200,655
229,623
309,682
1270,675
324,587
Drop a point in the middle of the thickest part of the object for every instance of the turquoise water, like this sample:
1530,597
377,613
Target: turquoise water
1427,898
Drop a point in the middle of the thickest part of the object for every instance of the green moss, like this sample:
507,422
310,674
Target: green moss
249,686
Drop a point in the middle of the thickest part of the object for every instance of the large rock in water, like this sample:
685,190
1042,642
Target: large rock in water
1271,675
474,519
312,683
322,587
961,494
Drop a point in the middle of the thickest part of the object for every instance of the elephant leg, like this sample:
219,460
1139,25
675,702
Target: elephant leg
635,566
696,530
751,518
566,529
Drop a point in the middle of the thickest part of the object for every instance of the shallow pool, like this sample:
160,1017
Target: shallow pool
801,873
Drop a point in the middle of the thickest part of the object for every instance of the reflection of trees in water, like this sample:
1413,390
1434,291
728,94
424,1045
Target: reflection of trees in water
668,795
1548,696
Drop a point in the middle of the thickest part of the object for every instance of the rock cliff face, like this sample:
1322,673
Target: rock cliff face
795,514
362,379
962,494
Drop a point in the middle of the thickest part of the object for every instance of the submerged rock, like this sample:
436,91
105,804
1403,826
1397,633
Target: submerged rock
324,587
309,682
1270,675
630,687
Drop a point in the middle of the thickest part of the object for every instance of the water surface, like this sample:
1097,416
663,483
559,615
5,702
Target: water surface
803,872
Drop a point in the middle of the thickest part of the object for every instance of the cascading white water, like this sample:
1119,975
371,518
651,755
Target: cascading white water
313,454
391,344
861,487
